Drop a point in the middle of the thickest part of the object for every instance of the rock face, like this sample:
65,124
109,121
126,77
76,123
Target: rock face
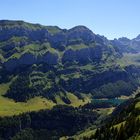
95,53
82,34
83,56
30,59
15,35
126,45
49,58
58,41
9,29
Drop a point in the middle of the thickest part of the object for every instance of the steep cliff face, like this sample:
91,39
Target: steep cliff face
30,59
80,33
17,34
126,45
86,55
20,28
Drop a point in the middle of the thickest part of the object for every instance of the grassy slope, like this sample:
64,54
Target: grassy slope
34,49
79,136
129,59
77,102
9,107
136,137
77,47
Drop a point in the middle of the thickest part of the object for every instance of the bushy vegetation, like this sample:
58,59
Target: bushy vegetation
21,91
61,120
116,89
106,103
124,125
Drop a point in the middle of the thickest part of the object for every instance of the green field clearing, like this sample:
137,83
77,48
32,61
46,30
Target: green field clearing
9,107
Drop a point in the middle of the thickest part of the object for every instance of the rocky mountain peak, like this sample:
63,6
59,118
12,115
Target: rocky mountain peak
137,38
81,32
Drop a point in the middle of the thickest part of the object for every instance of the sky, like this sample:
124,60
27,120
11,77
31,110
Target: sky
111,18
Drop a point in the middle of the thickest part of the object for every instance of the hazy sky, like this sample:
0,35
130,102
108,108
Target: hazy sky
112,18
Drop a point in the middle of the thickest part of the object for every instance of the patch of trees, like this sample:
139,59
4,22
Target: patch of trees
112,90
97,105
89,82
127,130
20,89
107,84
122,125
47,124
4,75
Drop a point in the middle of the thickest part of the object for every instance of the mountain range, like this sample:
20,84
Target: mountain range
45,70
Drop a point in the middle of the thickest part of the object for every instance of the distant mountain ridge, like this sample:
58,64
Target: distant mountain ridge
78,44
